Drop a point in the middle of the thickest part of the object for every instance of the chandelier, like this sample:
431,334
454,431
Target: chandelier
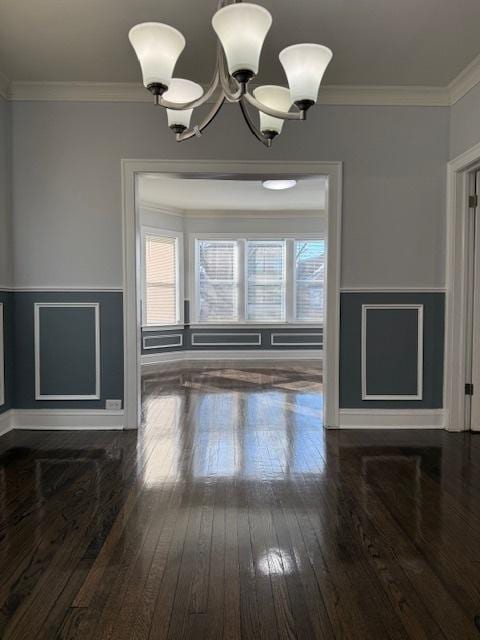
241,28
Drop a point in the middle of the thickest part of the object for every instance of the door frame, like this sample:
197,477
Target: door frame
131,273
458,188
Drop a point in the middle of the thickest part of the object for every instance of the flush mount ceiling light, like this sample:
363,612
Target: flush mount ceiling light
241,28
278,185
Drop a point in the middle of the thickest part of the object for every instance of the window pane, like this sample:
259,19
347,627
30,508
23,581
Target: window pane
266,280
218,280
310,278
265,301
161,280
310,300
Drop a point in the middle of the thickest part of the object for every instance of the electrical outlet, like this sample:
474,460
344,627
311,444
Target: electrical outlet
114,405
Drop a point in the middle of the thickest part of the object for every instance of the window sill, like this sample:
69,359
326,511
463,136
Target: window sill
164,327
256,325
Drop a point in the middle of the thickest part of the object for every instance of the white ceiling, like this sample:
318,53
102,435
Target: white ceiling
375,42
230,195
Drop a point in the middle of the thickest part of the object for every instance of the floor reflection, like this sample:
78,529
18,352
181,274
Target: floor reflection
233,513
241,423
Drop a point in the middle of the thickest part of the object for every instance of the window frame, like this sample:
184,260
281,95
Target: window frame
283,282
179,275
195,283
290,276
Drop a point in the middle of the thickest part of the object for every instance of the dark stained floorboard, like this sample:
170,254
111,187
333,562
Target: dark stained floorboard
233,514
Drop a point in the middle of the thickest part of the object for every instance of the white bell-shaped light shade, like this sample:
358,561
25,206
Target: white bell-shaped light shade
242,28
158,47
274,97
304,65
179,91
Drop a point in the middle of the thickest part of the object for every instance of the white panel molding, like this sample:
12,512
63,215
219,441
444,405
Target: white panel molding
465,81
392,419
6,422
394,289
257,336
37,330
419,309
179,343
151,361
314,343
135,92
67,419
2,355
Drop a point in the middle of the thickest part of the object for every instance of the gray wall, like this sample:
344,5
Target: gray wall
465,122
5,192
6,298
67,196
67,199
6,255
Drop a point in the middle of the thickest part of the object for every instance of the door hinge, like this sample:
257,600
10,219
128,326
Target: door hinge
469,389
473,202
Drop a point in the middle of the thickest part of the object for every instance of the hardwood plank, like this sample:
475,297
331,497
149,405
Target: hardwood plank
232,515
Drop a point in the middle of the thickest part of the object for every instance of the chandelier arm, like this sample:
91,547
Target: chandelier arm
251,125
181,106
283,115
197,130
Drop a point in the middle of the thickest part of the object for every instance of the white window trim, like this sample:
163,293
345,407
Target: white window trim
242,303
179,275
284,283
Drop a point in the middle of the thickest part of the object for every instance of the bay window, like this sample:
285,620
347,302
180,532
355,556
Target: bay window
258,280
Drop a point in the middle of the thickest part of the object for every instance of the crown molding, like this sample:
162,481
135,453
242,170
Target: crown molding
78,92
384,96
465,81
354,95
257,214
230,213
135,92
4,86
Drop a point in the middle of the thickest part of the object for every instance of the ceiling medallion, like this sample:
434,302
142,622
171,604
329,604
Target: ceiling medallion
241,28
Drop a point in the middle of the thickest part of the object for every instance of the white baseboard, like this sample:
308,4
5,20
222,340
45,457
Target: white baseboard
151,359
6,422
392,419
67,419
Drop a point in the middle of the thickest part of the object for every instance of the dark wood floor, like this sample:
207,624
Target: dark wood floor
232,514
